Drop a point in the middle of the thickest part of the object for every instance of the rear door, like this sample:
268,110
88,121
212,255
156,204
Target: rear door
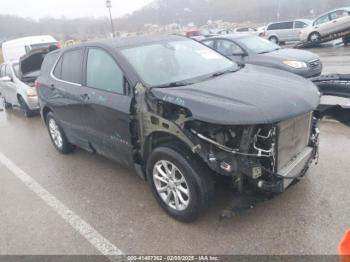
64,94
298,26
107,106
340,20
285,31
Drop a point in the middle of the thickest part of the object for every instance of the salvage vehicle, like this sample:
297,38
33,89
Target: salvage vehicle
248,49
180,114
17,82
330,26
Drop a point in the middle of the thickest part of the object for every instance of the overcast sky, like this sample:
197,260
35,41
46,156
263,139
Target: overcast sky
68,8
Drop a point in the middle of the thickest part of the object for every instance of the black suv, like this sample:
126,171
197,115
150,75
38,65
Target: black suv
180,113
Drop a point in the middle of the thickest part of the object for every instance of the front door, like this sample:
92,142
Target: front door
9,87
107,107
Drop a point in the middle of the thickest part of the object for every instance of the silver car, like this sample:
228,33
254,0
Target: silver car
18,92
334,24
282,32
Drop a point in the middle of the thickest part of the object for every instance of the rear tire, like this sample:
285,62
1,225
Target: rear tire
274,40
346,40
58,136
166,186
24,107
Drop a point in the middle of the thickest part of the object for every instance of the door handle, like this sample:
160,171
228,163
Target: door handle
334,21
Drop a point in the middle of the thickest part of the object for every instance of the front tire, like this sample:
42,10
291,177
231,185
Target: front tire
315,38
58,136
181,184
274,40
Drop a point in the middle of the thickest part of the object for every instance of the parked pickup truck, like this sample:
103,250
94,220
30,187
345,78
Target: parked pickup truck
181,114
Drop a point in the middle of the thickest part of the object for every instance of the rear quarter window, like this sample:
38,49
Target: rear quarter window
48,63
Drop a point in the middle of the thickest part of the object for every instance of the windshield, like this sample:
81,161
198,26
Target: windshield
258,45
164,63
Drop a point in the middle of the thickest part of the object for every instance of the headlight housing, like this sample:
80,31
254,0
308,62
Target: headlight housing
295,64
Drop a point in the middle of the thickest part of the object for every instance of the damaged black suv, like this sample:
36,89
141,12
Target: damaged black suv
180,113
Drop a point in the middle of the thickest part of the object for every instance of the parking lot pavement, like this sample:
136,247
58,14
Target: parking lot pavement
310,218
335,58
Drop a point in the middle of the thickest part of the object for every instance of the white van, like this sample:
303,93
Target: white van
282,32
13,50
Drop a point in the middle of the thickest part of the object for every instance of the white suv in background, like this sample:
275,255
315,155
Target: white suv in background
286,31
332,23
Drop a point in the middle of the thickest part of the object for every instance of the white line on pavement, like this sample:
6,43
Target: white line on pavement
86,230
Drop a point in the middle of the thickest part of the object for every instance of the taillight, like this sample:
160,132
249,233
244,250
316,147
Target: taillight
59,45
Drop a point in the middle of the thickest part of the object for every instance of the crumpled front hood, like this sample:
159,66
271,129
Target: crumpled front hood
293,54
254,95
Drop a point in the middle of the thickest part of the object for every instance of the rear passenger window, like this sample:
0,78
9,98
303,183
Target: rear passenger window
72,66
281,26
103,73
299,24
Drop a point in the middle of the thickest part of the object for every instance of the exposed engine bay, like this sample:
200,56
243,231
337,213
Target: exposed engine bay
265,157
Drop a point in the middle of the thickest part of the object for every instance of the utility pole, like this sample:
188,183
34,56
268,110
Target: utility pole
109,6
279,10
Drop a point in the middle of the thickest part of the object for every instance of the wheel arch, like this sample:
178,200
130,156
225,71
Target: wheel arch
45,111
158,138
313,32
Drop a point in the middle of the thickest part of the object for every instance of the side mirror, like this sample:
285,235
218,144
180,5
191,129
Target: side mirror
6,79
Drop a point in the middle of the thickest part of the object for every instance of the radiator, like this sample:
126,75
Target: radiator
293,138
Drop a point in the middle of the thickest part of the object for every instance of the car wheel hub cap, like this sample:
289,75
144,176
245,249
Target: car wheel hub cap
171,185
55,133
314,37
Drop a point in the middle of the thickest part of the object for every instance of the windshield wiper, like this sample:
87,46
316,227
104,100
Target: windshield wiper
174,84
224,72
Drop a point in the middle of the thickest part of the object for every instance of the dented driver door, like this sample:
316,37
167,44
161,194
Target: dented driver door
107,108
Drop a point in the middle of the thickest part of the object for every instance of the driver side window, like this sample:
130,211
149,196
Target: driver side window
322,20
228,48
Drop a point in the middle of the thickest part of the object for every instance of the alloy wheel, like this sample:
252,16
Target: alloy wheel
171,185
55,133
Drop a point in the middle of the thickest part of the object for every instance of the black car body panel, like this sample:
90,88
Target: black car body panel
274,59
250,96
235,123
